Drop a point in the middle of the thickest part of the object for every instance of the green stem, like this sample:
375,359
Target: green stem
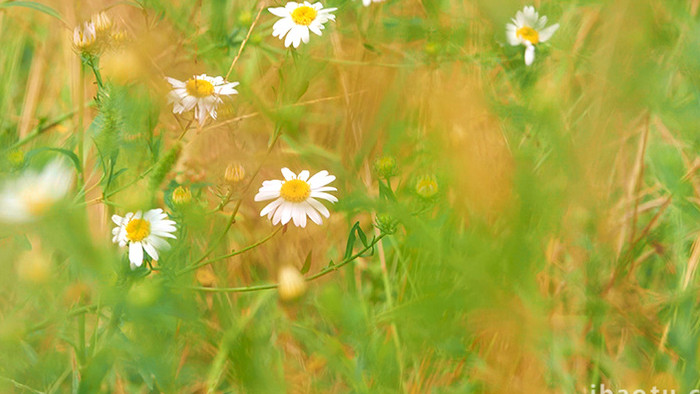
42,128
232,218
94,65
78,311
234,253
270,286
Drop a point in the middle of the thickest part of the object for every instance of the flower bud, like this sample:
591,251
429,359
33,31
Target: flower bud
292,284
427,186
205,276
143,295
386,224
234,173
34,267
84,37
103,24
181,195
16,158
385,167
245,18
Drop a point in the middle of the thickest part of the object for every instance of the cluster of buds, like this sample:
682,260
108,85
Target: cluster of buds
96,35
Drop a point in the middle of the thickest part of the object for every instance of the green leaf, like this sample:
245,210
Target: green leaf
362,236
35,6
307,263
351,242
72,156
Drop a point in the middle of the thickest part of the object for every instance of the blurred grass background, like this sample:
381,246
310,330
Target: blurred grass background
559,252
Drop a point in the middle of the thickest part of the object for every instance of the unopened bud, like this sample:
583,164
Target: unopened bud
245,17
292,284
102,22
234,173
385,167
427,186
386,224
84,37
119,38
16,158
205,276
181,195
143,295
34,267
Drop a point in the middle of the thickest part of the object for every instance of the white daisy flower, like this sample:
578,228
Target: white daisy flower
32,194
143,231
200,92
528,29
367,3
298,19
295,197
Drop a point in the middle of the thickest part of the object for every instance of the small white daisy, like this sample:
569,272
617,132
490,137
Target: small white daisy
143,231
32,194
367,3
200,92
528,29
298,19
295,197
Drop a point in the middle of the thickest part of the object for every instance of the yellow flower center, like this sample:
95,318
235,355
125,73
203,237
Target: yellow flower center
36,200
304,15
529,34
199,87
295,190
38,204
138,229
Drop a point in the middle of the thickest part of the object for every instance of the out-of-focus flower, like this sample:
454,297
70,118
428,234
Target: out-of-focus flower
298,19
385,167
367,3
32,194
205,276
295,197
427,186
103,25
201,93
119,38
181,195
85,37
34,266
143,231
528,29
234,173
16,158
292,284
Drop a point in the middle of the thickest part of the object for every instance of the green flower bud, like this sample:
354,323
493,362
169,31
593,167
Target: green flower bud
427,186
385,167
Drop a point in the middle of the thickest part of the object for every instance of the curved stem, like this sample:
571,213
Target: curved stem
270,286
74,312
234,253
232,218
